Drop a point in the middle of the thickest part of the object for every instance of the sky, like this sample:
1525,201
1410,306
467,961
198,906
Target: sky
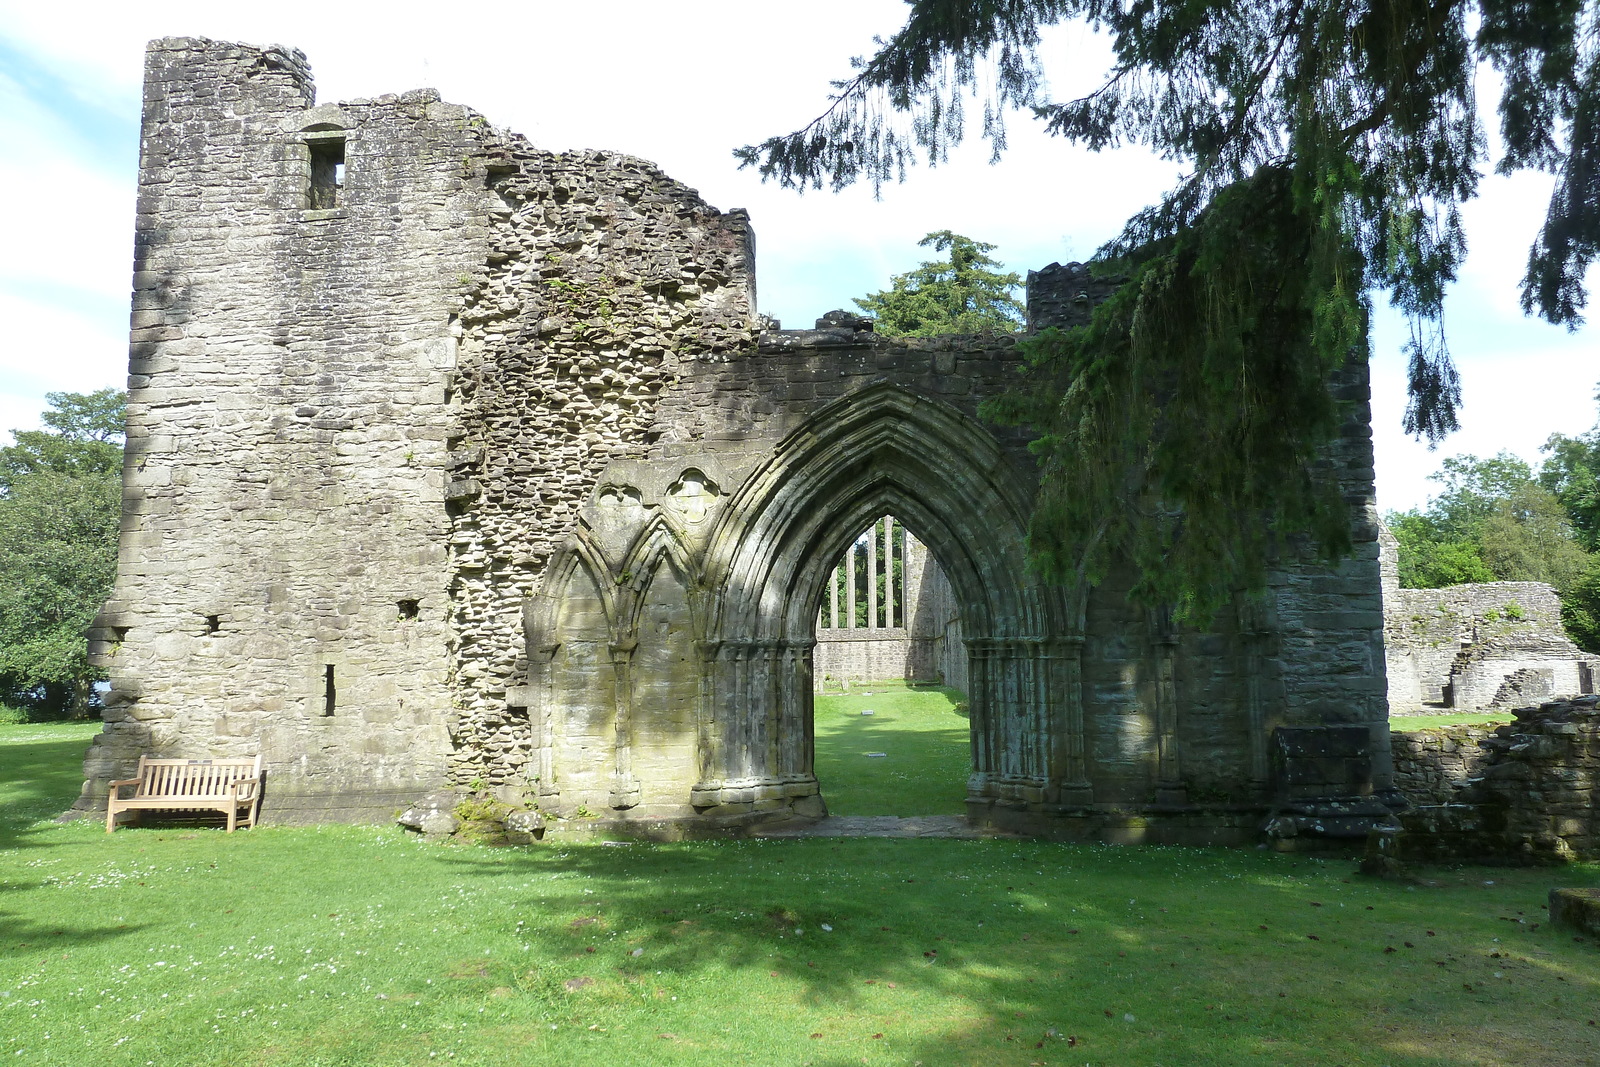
680,84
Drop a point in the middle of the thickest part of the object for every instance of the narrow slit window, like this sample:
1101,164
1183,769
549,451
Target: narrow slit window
327,172
213,623
329,692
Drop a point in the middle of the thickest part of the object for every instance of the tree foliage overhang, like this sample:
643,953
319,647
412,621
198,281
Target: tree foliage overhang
1345,131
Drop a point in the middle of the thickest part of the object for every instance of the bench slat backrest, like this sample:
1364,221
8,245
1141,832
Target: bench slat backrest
193,778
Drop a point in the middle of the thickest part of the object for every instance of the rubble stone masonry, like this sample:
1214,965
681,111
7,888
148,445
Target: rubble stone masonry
453,460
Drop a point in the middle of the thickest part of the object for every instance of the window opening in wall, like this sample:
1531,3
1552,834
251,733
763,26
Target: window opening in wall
890,720
410,609
213,623
329,692
327,172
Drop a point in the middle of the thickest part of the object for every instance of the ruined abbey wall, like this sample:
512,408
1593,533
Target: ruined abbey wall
1531,792
455,460
1478,645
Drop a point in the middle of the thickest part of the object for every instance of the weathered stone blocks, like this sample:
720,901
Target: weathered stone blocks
1533,795
485,471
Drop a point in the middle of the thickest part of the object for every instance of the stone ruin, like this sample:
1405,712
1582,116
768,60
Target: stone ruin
1523,792
1476,647
454,462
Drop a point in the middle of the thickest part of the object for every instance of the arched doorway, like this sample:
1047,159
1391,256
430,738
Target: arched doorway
671,645
890,721
886,450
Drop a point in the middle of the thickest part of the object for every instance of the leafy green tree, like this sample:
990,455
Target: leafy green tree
1580,608
1571,471
83,436
1527,538
1517,527
1328,146
1428,560
60,508
1474,488
958,294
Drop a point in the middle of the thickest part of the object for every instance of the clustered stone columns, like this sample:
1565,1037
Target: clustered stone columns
1164,651
756,704
1026,704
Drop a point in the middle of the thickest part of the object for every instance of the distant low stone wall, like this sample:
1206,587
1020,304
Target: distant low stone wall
1535,798
879,654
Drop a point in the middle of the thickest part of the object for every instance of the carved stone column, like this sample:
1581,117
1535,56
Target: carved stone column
833,598
625,787
795,700
872,577
1164,648
768,680
1068,771
737,720
708,743
888,570
541,724
980,718
850,587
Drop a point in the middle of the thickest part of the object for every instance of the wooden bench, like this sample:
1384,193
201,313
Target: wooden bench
231,786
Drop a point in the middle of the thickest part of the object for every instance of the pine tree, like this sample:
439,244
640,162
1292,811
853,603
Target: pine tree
1330,145
960,294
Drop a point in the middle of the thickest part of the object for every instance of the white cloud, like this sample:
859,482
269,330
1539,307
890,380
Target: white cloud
1513,397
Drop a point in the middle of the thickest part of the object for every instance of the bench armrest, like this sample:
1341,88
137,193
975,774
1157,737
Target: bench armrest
124,781
245,788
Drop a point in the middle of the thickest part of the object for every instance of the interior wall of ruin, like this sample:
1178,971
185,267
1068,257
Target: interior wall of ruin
924,643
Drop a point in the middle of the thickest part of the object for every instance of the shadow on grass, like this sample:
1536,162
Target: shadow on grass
1140,955
22,935
41,773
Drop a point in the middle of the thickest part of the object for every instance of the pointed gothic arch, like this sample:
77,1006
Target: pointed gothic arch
885,449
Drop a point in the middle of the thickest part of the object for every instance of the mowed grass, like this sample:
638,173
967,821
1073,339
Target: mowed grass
922,735
1404,723
359,945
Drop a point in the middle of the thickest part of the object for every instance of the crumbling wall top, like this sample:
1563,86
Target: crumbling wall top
272,67
1063,295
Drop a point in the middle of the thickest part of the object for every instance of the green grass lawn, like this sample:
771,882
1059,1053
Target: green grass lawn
1465,718
360,945
922,735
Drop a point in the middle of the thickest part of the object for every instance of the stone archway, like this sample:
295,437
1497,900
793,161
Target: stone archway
743,572
886,449
560,512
